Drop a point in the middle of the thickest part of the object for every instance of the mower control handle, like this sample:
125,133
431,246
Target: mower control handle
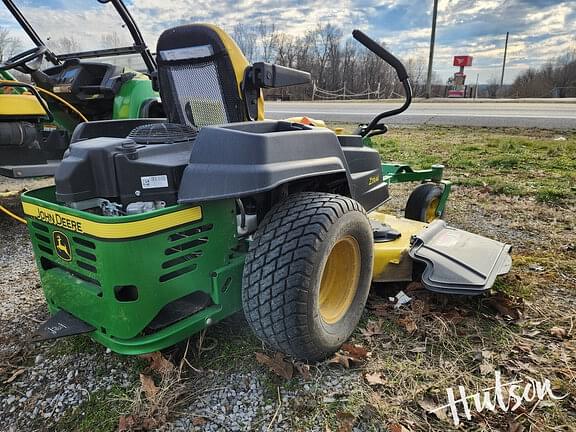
381,52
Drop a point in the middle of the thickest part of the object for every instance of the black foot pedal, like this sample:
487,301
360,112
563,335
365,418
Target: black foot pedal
60,325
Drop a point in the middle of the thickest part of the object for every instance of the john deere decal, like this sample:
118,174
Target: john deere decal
62,246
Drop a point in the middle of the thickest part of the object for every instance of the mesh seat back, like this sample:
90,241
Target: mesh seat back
200,69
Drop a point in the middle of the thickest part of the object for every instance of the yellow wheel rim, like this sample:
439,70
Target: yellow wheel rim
431,210
339,280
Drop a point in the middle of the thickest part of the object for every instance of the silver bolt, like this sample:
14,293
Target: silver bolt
209,321
137,193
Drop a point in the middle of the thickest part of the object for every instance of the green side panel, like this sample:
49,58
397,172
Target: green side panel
131,96
63,119
199,256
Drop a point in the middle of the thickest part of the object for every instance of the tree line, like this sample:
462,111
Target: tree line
556,78
335,62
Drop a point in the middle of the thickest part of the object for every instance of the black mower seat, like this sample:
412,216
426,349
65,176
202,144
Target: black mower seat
200,71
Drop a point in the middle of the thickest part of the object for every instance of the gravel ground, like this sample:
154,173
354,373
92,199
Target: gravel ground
239,402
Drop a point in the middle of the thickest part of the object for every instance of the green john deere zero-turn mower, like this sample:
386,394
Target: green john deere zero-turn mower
37,121
151,236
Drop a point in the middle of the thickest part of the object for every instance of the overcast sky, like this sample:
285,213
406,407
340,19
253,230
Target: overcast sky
539,29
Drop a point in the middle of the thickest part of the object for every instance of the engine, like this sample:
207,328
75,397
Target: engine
122,176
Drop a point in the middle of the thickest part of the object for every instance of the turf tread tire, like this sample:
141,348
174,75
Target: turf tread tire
280,270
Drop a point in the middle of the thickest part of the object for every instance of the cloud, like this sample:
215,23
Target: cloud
539,29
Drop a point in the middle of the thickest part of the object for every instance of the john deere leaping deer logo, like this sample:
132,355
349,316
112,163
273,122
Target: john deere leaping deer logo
62,245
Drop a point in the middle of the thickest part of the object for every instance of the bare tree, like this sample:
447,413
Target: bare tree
333,61
246,37
267,40
557,78
9,45
64,44
112,40
493,86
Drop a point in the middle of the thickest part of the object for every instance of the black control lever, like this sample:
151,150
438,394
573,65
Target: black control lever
393,61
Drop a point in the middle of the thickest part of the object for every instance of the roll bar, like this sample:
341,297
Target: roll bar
139,46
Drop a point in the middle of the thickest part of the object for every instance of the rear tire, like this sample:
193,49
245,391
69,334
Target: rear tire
308,273
423,203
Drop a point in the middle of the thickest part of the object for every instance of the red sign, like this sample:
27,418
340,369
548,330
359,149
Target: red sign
462,61
456,93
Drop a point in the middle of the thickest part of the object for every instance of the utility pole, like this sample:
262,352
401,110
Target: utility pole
504,62
431,58
476,86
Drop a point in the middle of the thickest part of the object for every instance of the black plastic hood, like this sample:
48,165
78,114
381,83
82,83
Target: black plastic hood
241,159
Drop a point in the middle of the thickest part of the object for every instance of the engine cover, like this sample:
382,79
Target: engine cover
145,166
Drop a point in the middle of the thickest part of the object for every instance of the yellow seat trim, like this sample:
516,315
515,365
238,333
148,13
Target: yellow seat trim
239,63
20,105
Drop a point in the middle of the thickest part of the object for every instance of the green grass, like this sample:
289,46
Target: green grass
510,162
100,413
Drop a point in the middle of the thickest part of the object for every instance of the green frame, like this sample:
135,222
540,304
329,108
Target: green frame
400,173
394,172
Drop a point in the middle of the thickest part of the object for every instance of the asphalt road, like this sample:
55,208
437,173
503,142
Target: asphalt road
489,114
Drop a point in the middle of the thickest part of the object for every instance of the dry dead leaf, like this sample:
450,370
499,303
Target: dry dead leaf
558,332
414,287
346,421
356,351
374,379
430,407
304,370
278,365
158,363
341,359
486,368
373,328
126,423
397,427
14,375
148,386
506,306
349,354
408,323
198,421
523,347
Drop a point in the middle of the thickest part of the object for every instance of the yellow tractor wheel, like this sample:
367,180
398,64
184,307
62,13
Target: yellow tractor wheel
308,273
422,205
